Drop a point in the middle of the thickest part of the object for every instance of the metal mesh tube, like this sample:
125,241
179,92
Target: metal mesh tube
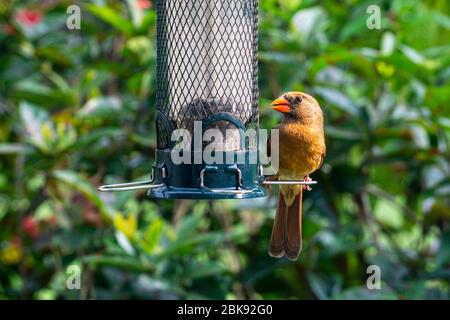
207,61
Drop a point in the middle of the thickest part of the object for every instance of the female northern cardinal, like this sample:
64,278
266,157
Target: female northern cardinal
301,152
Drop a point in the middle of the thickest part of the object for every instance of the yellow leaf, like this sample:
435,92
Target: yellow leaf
127,225
11,254
385,69
47,132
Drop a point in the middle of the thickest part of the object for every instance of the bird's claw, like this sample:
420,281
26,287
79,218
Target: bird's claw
306,186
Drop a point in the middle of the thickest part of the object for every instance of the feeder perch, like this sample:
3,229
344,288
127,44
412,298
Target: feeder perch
207,74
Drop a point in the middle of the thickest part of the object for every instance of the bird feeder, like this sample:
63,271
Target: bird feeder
207,78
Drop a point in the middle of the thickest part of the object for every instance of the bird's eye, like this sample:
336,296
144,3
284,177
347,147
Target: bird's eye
298,99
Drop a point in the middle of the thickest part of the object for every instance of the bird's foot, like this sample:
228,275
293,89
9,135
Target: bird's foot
306,186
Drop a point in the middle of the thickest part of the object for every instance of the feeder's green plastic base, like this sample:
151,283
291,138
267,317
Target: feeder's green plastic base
202,181
193,173
201,194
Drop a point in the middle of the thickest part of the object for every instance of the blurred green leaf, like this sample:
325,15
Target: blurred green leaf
101,107
14,148
78,183
153,235
112,17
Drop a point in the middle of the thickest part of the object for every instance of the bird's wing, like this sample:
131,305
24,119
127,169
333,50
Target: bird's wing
322,157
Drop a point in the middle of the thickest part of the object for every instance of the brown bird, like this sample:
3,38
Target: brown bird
301,152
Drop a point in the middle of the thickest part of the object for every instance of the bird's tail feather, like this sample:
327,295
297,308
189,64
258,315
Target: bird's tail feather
286,236
278,238
293,244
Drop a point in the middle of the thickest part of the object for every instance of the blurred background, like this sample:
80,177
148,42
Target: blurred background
77,111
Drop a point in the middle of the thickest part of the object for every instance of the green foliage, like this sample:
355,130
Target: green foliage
77,110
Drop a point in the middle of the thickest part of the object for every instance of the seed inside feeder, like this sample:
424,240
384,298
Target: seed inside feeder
227,138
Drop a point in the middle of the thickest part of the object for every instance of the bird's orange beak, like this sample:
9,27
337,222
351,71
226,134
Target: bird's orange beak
281,105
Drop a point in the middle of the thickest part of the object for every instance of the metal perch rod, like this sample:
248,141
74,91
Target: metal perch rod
141,185
288,182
